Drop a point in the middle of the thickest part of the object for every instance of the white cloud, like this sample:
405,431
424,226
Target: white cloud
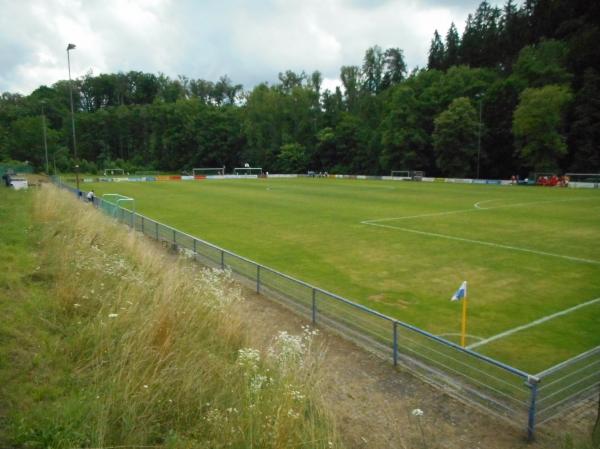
249,41
330,84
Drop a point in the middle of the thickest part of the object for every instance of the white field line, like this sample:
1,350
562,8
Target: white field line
484,243
433,214
475,208
458,334
533,323
477,205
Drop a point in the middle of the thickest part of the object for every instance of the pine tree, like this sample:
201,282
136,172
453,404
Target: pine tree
452,47
436,53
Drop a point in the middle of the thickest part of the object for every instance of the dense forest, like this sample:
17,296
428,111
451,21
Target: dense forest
519,91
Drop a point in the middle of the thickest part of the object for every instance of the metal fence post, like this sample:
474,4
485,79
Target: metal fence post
174,238
532,383
195,252
222,260
395,343
314,306
156,222
142,224
258,279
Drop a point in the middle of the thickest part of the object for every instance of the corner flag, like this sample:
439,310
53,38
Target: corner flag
460,293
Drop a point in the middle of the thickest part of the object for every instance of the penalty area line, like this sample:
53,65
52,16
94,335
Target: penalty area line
476,207
533,323
482,242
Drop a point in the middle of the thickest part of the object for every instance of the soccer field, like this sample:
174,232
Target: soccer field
531,255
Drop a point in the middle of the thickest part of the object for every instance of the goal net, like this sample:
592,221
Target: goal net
415,175
114,171
247,171
118,206
207,171
400,174
589,180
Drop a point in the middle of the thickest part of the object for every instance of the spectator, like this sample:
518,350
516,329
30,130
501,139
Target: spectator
90,196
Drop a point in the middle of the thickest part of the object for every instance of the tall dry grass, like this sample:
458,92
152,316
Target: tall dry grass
157,351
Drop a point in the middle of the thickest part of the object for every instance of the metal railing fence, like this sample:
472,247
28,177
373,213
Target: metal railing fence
561,384
508,392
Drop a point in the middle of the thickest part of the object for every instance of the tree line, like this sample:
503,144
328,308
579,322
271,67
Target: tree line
518,91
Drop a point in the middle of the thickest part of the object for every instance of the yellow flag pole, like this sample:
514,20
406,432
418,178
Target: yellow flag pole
463,331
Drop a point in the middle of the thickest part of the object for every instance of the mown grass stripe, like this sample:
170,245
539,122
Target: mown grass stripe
533,323
481,242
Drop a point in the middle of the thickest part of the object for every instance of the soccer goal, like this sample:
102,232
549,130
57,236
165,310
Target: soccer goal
114,205
248,171
207,171
400,174
114,171
543,174
415,175
588,180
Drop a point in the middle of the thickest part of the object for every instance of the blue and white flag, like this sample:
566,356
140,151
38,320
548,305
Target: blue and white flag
460,293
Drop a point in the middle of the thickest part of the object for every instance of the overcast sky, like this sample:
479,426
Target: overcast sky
251,41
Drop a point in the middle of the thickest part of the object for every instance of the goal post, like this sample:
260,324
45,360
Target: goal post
114,205
400,174
586,180
208,171
113,171
417,175
414,175
248,171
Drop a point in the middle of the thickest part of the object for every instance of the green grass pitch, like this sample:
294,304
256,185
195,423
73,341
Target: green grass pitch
403,248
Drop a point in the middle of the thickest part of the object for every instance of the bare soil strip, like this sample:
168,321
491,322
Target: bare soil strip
373,403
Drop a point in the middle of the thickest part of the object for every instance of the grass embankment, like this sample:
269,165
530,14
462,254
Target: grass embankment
109,341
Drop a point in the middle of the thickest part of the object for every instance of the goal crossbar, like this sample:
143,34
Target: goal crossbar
247,170
113,171
201,170
408,174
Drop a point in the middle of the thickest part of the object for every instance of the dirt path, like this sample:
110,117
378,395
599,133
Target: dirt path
373,402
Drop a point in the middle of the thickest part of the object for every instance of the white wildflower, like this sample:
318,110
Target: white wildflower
248,358
296,395
216,287
214,415
417,412
309,332
290,350
113,315
258,381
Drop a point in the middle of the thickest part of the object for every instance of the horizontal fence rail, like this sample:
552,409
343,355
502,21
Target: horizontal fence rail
515,395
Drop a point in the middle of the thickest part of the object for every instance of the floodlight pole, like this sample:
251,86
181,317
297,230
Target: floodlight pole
45,140
479,134
72,47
